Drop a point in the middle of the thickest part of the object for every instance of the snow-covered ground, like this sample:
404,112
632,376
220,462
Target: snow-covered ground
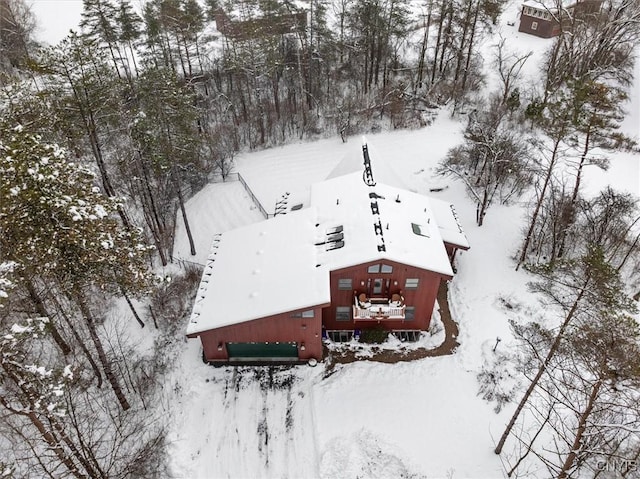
416,419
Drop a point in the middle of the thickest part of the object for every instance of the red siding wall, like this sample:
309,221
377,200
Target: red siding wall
544,29
279,328
285,328
547,28
423,299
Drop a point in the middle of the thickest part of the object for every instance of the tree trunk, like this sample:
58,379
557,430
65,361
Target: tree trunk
186,50
482,207
157,227
543,367
94,472
133,59
133,310
582,426
54,445
102,356
46,432
551,66
88,452
49,438
183,210
90,130
80,342
447,40
114,59
574,194
530,445
423,50
42,311
628,254
536,211
465,73
153,316
463,40
438,41
88,118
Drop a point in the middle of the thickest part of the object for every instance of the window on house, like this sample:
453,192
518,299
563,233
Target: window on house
303,314
410,313
345,283
420,230
340,336
411,283
408,335
380,268
343,313
534,25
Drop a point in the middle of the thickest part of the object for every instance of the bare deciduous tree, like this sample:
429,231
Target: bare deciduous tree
493,160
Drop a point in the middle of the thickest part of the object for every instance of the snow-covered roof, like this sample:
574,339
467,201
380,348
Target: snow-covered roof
382,170
550,6
379,222
447,219
260,270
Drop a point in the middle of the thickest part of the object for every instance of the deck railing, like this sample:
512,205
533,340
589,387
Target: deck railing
388,310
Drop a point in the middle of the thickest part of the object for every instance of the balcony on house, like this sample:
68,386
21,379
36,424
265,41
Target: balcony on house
365,308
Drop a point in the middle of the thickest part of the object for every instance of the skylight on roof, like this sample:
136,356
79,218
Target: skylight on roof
420,230
333,235
334,245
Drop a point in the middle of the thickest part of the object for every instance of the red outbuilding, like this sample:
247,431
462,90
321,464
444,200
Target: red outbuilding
544,19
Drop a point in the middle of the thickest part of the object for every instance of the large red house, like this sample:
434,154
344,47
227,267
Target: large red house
361,254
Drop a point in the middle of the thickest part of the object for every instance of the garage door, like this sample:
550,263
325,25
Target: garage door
262,350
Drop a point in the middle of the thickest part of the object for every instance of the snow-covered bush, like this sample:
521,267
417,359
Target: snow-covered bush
496,379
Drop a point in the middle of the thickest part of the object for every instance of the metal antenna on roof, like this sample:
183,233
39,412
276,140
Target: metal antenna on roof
367,175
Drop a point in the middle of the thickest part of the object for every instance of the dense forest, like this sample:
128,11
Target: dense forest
104,136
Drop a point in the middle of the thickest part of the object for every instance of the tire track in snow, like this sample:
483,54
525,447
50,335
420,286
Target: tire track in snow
271,426
261,426
312,427
230,450
292,428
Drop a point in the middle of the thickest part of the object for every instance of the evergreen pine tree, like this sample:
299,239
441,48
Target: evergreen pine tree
56,224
